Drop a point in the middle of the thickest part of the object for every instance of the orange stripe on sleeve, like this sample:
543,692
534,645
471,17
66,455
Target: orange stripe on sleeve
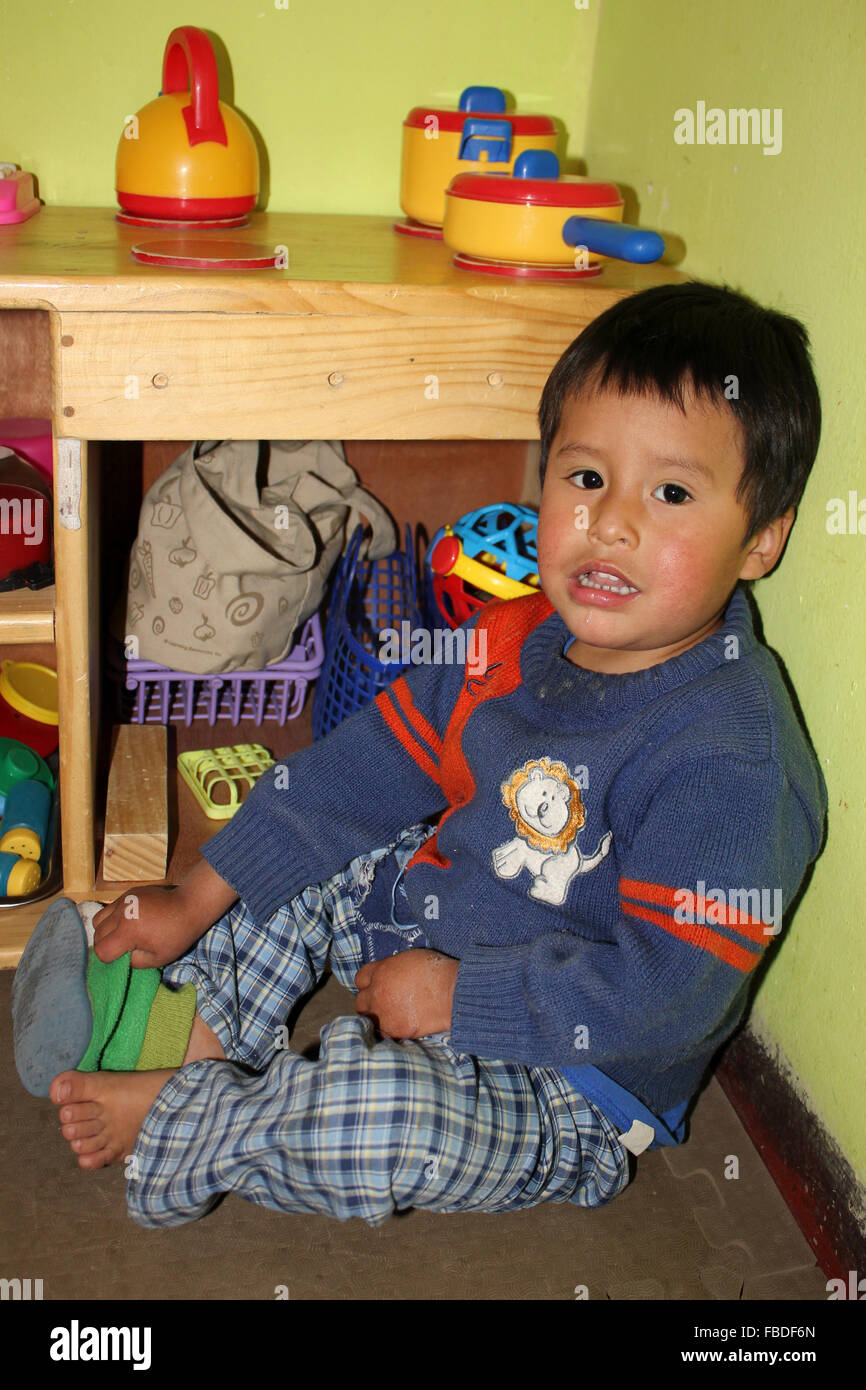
714,913
404,736
697,935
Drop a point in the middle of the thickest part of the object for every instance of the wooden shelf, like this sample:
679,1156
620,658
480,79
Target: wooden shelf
366,334
27,615
81,259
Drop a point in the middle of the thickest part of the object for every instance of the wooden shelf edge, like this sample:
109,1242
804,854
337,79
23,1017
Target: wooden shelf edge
27,615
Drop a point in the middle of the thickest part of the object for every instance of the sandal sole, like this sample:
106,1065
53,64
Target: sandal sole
52,1019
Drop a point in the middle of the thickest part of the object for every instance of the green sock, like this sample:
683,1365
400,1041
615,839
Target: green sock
138,1023
120,998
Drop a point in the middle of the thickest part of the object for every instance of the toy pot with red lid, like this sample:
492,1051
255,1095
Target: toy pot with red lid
537,223
187,156
439,142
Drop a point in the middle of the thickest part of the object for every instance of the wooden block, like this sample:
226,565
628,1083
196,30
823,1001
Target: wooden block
136,816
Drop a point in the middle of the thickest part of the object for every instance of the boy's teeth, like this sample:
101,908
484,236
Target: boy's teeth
600,579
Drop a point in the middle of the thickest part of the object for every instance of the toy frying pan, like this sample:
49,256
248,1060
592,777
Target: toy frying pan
537,223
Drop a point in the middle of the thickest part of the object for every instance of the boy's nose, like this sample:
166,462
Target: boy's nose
611,520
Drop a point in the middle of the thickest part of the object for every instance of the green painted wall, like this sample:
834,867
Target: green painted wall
327,84
786,229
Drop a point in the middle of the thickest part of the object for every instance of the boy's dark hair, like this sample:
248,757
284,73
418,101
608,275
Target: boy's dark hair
667,339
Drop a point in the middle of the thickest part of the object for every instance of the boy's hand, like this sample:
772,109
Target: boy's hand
158,932
159,925
408,995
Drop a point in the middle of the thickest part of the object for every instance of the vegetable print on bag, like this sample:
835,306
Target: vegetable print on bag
235,543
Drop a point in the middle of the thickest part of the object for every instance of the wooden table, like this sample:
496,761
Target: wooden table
365,334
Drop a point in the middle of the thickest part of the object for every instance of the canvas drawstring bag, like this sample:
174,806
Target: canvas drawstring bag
234,547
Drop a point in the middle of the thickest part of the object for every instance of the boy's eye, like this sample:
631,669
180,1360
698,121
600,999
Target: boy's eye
587,477
672,493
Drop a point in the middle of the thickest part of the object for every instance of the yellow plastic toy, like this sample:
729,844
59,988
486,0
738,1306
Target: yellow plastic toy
187,155
509,228
481,573
31,689
18,877
439,143
538,222
219,778
489,553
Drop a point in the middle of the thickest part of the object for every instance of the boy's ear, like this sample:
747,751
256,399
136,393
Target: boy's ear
765,547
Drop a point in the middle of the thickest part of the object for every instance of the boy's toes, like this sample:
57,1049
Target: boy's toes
74,1086
81,1129
90,1144
83,1110
99,1159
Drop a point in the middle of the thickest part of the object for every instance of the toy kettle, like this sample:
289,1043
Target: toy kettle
187,156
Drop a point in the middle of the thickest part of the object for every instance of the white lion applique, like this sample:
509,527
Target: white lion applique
545,803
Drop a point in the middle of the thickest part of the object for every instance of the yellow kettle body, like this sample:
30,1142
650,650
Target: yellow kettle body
187,155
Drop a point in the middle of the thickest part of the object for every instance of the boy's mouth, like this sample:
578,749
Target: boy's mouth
599,577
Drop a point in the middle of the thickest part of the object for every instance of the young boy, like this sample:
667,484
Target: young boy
625,802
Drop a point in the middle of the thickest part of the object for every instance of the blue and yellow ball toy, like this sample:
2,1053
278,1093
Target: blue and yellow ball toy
488,553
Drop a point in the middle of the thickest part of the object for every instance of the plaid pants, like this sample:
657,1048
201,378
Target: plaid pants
372,1126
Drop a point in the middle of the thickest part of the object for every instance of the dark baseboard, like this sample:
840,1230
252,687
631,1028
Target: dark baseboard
815,1179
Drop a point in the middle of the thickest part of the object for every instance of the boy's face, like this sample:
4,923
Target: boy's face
640,534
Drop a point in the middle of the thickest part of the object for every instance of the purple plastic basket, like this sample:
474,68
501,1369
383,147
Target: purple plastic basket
154,694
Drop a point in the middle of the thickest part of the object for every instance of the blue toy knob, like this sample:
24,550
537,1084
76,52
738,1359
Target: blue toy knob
482,99
536,164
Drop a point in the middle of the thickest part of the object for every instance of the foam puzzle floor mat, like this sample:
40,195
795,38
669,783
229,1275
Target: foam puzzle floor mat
703,1222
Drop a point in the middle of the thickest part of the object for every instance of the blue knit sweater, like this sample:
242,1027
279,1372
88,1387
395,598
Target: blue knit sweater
614,853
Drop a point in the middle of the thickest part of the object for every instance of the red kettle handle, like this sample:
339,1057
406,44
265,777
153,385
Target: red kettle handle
189,62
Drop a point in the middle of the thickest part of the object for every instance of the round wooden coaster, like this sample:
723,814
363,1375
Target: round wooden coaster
202,253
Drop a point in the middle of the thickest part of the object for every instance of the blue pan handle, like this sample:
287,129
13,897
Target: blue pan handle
614,239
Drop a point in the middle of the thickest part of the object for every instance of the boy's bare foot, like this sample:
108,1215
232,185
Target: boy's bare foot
101,1112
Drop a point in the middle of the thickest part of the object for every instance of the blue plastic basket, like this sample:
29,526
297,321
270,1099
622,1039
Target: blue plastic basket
368,597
